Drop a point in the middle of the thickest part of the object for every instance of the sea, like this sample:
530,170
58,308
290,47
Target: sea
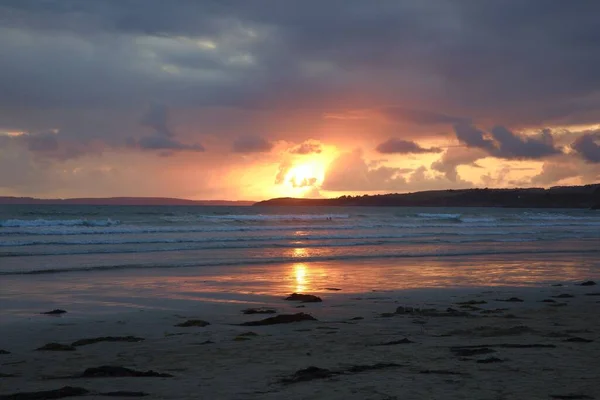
271,250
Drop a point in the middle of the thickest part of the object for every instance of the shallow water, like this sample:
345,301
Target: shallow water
35,239
106,259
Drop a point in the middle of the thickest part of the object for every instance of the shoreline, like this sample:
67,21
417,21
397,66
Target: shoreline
115,291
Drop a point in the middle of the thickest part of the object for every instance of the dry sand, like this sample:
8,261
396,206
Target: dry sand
225,361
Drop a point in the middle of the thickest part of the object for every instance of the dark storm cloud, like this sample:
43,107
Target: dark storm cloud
588,146
399,146
157,118
536,56
45,142
521,62
166,143
252,144
503,143
52,145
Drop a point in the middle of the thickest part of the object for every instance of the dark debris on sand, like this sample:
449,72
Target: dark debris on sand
260,310
281,319
394,342
193,322
440,372
85,342
471,303
578,340
57,311
304,298
588,283
462,352
66,391
429,312
312,373
124,393
512,300
509,346
309,374
570,396
107,371
4,351
491,331
563,296
56,347
490,360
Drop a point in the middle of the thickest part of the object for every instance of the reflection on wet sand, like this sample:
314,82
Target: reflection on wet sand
258,282
300,275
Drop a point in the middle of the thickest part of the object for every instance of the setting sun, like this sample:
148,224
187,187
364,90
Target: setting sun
304,176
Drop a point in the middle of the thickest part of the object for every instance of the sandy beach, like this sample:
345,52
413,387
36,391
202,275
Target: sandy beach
458,344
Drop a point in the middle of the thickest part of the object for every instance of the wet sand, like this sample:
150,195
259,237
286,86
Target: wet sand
484,348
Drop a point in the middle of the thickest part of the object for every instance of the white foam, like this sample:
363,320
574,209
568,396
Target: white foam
32,223
477,219
439,216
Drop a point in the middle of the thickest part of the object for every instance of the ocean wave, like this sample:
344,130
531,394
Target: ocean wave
284,260
227,217
439,216
35,223
126,241
109,227
309,243
550,217
478,219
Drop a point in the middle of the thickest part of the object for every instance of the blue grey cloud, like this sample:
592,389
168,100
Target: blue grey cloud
252,144
399,146
502,143
588,146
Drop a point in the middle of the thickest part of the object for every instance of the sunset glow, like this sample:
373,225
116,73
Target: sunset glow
259,108
304,176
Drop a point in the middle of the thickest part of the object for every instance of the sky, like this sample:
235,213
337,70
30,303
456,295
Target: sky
247,100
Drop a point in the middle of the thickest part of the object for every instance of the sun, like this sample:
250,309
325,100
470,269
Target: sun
304,176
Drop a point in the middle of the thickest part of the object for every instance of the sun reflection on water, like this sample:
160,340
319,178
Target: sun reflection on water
300,276
299,252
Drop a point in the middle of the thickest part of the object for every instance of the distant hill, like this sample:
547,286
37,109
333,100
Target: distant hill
125,201
557,197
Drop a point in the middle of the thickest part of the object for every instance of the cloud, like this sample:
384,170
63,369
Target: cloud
252,144
306,148
52,145
554,172
166,143
484,60
157,118
282,171
305,182
455,157
350,172
587,146
420,117
503,143
399,146
90,68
